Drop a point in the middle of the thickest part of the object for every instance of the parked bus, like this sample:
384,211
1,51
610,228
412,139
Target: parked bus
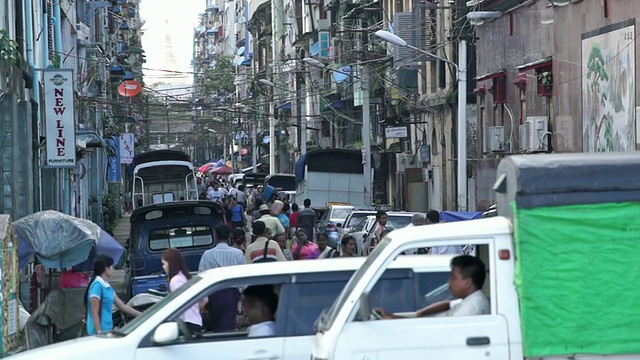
162,176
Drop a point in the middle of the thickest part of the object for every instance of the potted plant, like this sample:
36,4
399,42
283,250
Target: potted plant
545,83
9,54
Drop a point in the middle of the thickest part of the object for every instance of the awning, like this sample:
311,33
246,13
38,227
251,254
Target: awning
92,139
492,75
212,31
213,8
336,104
535,65
284,106
250,168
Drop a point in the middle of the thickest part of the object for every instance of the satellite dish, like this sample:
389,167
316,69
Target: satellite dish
239,60
240,51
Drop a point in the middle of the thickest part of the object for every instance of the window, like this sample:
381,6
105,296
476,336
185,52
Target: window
432,288
362,226
341,213
180,237
307,299
398,222
356,218
161,198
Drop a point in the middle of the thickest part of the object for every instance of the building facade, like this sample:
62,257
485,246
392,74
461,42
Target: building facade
554,76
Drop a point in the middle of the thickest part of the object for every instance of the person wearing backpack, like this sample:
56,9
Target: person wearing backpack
263,249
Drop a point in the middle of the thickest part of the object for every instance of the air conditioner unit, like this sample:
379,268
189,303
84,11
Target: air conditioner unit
537,133
524,138
495,138
323,24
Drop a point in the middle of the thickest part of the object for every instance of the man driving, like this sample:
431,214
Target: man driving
465,284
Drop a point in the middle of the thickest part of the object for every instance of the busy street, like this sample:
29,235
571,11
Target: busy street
319,180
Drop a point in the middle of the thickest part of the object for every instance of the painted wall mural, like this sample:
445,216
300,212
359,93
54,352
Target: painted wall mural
608,88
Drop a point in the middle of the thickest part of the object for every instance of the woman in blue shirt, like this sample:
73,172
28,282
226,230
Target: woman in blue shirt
237,214
100,297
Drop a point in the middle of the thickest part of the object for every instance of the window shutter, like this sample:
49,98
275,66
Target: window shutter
403,27
424,31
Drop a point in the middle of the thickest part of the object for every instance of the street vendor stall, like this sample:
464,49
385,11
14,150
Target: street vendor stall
60,242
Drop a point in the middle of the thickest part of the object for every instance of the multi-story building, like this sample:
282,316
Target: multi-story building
556,76
83,36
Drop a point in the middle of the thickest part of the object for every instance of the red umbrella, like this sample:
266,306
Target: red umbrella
205,167
222,170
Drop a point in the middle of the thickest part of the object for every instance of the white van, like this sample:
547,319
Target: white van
304,289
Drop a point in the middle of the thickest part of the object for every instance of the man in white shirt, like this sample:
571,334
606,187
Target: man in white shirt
241,197
223,304
215,193
433,217
417,219
260,303
465,283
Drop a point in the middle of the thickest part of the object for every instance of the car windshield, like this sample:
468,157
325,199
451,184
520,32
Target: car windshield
327,319
148,314
355,219
340,213
398,221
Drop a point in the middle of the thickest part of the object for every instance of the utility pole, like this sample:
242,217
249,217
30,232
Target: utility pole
303,118
166,104
277,15
272,140
366,134
254,140
462,125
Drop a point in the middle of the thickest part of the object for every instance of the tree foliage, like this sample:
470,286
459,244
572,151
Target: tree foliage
219,79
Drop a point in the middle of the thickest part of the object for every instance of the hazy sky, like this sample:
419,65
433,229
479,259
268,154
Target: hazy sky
179,18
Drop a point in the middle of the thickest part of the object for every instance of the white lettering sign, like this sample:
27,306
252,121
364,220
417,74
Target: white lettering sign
395,132
126,148
59,118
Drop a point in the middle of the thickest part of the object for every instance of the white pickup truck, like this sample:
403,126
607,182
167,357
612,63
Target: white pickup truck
562,272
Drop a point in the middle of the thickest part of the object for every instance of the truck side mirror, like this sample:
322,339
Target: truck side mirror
364,312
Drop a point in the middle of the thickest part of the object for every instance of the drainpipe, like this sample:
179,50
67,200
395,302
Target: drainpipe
36,93
57,28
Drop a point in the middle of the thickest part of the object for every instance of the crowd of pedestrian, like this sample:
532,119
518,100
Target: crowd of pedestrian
256,231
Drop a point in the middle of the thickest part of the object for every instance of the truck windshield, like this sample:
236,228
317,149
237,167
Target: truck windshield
327,319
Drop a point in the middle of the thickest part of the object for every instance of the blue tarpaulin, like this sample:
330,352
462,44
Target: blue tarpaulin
451,216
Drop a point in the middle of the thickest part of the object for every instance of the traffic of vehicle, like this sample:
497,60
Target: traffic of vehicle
439,284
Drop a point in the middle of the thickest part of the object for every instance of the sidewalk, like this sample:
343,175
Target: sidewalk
120,233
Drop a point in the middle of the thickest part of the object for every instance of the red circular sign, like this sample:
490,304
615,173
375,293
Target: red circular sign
129,88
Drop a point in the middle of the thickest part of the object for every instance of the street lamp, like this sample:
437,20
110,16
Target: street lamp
461,68
366,121
267,83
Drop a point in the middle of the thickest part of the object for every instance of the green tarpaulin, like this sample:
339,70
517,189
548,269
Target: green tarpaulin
578,278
